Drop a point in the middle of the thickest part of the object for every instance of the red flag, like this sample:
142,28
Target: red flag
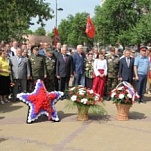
90,30
56,36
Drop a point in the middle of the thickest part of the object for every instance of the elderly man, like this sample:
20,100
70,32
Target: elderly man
141,68
95,52
14,47
20,71
79,66
64,69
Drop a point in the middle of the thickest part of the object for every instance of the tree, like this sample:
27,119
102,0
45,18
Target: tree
117,20
29,32
16,16
40,31
72,30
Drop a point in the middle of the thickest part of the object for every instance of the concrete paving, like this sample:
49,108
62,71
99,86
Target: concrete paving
100,133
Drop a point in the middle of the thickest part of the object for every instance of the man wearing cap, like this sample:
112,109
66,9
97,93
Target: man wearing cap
50,67
141,68
38,65
112,72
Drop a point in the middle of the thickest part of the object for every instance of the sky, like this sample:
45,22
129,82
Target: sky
69,7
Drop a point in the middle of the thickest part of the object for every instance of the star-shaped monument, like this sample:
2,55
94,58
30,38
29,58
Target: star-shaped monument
40,102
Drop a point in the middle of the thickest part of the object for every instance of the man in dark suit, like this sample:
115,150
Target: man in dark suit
8,50
126,69
64,69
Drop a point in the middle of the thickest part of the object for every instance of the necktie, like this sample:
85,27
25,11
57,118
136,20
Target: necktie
19,60
128,62
64,58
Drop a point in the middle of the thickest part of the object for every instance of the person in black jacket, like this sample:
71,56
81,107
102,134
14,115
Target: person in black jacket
126,69
64,69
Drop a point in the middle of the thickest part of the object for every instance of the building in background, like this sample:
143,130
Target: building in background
33,39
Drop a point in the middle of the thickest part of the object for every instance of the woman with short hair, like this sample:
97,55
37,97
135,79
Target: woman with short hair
4,77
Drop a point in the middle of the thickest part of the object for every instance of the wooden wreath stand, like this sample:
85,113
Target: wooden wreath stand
83,113
122,112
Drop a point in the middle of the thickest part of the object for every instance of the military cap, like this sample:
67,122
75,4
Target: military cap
143,48
49,50
35,47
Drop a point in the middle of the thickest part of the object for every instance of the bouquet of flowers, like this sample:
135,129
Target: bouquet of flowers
82,97
124,93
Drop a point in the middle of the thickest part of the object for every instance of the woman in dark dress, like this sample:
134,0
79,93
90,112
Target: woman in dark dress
4,77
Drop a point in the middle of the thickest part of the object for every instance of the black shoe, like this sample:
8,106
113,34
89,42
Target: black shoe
62,98
15,100
142,101
108,98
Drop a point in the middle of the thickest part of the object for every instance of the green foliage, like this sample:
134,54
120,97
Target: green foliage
72,30
124,21
93,109
40,31
84,98
16,15
29,32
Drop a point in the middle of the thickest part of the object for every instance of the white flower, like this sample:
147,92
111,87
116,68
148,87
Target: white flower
96,98
113,94
91,91
81,92
129,95
121,96
120,88
74,98
72,88
84,101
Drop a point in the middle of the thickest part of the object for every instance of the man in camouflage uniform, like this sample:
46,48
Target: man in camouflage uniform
50,67
38,65
112,72
56,52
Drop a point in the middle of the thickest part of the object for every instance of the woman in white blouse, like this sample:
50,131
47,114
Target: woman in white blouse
100,73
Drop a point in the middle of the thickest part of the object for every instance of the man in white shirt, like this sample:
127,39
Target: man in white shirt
14,47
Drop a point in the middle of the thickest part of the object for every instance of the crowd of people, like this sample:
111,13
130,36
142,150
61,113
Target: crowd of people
21,65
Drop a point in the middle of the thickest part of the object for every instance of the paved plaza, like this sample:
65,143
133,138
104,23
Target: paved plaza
100,133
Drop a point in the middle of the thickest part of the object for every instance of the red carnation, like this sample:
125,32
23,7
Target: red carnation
88,103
